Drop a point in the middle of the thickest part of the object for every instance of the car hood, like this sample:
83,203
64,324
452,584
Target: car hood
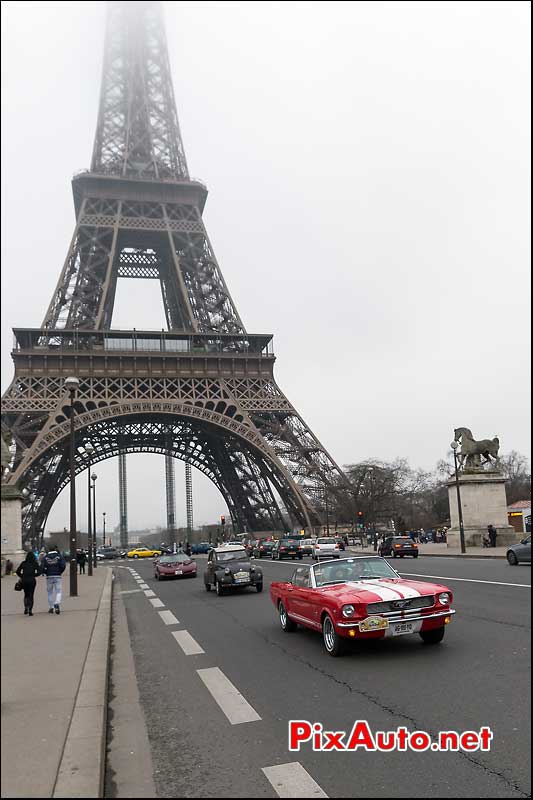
236,566
372,591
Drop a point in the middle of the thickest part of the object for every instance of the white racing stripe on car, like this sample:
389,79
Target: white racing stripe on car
292,780
168,618
383,592
230,700
156,602
189,645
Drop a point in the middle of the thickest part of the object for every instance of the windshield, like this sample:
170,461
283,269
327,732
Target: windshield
233,555
177,557
352,569
325,541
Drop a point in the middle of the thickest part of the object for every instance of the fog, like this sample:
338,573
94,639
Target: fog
368,168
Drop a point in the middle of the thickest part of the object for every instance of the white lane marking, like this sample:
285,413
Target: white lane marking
149,593
130,591
467,580
144,585
168,618
189,645
292,780
230,700
157,603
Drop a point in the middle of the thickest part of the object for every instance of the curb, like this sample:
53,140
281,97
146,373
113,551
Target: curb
81,771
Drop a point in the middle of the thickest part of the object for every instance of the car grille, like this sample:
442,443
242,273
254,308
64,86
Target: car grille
406,605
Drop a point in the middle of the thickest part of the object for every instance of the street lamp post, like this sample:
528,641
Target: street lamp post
372,521
72,384
103,534
327,509
95,562
89,449
454,446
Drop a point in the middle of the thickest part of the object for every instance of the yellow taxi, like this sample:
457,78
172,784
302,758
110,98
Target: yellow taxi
143,552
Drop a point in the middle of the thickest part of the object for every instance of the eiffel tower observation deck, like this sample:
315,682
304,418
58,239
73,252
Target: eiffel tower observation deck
202,391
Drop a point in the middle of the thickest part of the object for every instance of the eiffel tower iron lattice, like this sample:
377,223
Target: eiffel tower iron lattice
203,391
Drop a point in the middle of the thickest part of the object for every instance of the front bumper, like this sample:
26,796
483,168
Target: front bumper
429,621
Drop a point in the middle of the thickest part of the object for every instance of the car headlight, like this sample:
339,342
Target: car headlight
348,611
444,598
226,571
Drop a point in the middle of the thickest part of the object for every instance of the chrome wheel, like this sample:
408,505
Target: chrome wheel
332,642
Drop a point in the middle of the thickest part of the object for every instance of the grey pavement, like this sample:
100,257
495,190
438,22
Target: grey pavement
54,689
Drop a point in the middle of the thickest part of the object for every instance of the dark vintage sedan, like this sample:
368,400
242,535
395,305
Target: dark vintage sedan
229,567
201,547
520,553
398,546
176,565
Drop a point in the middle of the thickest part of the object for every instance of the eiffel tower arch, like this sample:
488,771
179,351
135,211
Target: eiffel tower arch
202,391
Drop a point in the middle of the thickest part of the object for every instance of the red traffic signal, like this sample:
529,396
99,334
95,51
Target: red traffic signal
223,520
359,513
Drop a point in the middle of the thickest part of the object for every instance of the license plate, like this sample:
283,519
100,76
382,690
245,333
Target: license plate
242,580
373,624
399,628
179,572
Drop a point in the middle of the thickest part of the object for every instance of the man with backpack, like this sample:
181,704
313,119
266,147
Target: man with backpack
53,566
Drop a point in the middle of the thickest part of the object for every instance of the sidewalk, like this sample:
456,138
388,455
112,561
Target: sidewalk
54,689
441,549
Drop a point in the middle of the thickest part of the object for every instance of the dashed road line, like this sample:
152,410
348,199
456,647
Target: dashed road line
156,602
130,591
144,585
189,645
292,780
168,618
149,593
230,700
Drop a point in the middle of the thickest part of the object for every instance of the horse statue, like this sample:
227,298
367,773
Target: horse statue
471,450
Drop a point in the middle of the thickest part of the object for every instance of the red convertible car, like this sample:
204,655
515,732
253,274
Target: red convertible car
175,565
361,598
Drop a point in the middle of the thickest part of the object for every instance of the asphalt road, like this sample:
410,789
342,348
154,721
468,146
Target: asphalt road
479,676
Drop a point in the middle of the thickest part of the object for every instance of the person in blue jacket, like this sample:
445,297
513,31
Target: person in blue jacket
53,566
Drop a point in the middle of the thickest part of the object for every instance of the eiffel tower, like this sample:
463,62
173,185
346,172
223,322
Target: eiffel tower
202,391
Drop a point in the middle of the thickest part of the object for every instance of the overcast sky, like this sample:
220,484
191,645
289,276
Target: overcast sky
368,167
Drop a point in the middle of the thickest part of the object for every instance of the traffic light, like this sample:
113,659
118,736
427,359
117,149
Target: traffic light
360,520
222,520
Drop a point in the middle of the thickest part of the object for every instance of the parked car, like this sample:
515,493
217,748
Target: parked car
174,566
143,552
520,553
263,548
398,546
360,598
229,567
201,547
105,553
286,548
325,547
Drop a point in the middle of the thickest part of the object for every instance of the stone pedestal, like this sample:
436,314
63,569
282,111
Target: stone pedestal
11,530
484,503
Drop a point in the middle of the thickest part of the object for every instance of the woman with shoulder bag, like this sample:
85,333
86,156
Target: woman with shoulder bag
28,571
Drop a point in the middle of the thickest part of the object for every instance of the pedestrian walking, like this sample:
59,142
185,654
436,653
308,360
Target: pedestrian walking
53,567
81,558
492,535
187,549
28,571
9,567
